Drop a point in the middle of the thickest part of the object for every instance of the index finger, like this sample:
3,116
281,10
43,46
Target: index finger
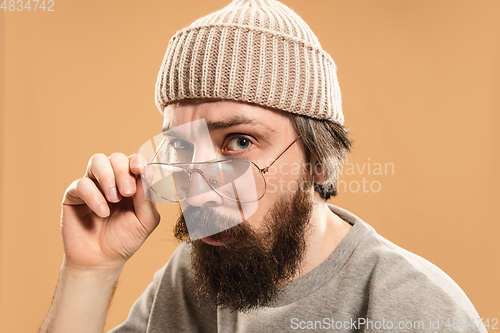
137,163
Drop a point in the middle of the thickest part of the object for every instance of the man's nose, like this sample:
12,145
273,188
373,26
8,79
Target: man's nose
200,193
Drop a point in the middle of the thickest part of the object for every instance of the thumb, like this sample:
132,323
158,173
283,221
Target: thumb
145,210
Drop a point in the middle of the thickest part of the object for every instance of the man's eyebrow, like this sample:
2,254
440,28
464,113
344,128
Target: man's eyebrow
171,132
227,123
235,121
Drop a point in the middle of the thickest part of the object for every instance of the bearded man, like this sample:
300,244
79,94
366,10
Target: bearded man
255,256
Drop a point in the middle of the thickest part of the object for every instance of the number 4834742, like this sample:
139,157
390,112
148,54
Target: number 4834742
20,5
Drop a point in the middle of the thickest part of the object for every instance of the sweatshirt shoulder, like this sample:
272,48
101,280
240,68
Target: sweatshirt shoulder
403,282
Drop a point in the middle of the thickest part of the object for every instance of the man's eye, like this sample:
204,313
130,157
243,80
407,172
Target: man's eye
180,145
239,143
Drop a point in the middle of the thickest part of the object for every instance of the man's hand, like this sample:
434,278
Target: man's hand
105,219
105,214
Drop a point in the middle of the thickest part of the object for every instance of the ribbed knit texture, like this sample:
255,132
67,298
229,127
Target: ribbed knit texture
256,51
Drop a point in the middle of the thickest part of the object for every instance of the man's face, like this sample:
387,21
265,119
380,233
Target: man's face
243,267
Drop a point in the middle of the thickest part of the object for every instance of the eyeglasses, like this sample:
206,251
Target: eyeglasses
236,179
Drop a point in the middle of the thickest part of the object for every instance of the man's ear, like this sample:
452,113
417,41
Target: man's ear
317,171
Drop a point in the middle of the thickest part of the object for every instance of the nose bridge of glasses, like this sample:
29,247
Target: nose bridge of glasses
209,171
193,168
200,192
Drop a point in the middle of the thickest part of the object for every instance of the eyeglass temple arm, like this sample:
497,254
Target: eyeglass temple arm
157,150
266,169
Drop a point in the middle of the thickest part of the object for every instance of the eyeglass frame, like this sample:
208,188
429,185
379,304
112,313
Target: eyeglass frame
262,171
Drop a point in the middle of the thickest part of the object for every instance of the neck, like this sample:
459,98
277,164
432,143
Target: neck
326,232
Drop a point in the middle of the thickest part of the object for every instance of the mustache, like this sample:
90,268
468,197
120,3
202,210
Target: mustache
208,222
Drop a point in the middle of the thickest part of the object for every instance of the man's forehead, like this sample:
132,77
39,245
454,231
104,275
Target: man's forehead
219,115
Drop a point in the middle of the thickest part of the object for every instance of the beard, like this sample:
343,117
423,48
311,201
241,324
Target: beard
248,270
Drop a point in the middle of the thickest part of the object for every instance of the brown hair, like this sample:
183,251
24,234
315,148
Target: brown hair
330,143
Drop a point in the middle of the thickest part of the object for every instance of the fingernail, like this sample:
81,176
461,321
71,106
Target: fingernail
103,210
113,194
127,187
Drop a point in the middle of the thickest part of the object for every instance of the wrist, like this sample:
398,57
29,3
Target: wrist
101,273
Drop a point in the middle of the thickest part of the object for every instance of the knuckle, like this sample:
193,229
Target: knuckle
96,157
73,184
76,187
79,184
120,164
137,163
71,187
141,160
117,157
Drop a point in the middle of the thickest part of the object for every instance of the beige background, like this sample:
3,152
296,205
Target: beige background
420,82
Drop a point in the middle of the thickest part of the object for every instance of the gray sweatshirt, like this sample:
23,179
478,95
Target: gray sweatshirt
367,284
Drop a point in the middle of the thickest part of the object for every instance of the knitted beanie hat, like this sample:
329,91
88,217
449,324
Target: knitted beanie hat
255,51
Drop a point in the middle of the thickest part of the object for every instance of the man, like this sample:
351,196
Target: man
263,251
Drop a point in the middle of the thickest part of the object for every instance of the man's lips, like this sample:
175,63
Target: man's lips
217,239
212,241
